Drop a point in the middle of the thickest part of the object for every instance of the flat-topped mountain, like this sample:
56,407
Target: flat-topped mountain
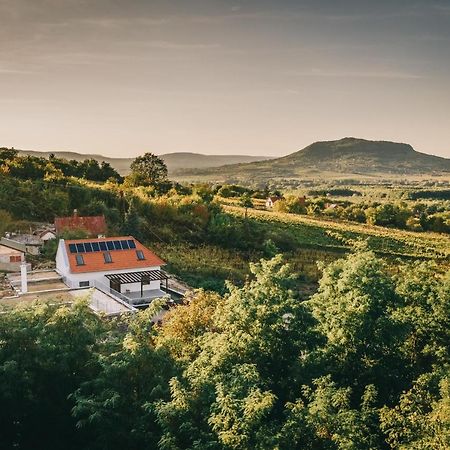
345,157
174,161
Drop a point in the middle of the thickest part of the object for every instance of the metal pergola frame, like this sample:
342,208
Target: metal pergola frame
143,277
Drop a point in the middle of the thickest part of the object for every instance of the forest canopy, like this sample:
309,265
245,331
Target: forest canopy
363,363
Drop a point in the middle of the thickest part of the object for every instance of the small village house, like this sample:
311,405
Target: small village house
121,266
10,258
92,225
270,201
47,235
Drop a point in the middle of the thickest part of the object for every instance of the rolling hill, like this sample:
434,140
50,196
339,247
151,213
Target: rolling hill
174,161
344,158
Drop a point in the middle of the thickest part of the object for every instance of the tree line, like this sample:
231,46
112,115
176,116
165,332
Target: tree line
402,215
29,167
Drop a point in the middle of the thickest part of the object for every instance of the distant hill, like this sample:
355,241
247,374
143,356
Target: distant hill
348,157
175,161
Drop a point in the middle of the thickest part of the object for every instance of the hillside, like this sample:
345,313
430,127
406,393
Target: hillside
348,157
175,161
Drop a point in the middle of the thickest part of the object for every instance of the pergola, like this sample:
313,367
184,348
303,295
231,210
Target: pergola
144,277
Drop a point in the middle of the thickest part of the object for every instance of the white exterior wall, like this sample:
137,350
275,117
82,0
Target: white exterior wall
62,261
6,259
74,279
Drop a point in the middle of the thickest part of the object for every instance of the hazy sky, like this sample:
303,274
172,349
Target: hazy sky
262,77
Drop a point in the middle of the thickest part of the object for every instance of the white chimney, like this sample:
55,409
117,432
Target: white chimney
24,277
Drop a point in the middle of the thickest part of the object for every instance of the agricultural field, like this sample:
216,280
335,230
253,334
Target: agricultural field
205,266
330,234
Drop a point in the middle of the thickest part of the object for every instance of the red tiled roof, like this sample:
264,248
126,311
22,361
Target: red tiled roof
93,224
121,259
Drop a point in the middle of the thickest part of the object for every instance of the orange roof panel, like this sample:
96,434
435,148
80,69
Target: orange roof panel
121,259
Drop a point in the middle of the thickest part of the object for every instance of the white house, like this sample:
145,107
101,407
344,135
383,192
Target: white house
121,266
270,201
10,258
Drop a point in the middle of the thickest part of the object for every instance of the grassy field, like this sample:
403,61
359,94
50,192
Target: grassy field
314,239
327,233
205,266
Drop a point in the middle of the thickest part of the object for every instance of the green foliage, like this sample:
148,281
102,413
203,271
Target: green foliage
132,225
326,419
53,169
117,406
147,170
440,194
6,221
421,420
45,353
234,372
354,308
233,190
387,214
362,364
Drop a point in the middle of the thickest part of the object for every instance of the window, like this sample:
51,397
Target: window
80,260
107,257
140,255
15,258
83,283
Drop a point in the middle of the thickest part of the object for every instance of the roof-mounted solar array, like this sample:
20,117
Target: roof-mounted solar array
88,247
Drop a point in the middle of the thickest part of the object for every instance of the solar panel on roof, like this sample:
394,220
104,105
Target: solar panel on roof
73,248
125,245
103,246
131,243
95,247
80,248
117,245
88,247
110,245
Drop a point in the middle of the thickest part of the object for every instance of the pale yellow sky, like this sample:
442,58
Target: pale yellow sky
263,77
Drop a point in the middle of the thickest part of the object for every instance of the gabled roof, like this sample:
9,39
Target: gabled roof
92,224
6,250
94,261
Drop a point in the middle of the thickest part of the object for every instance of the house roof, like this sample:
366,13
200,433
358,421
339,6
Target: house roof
274,198
5,250
94,261
92,224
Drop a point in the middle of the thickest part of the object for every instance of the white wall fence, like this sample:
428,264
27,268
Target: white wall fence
101,287
110,291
